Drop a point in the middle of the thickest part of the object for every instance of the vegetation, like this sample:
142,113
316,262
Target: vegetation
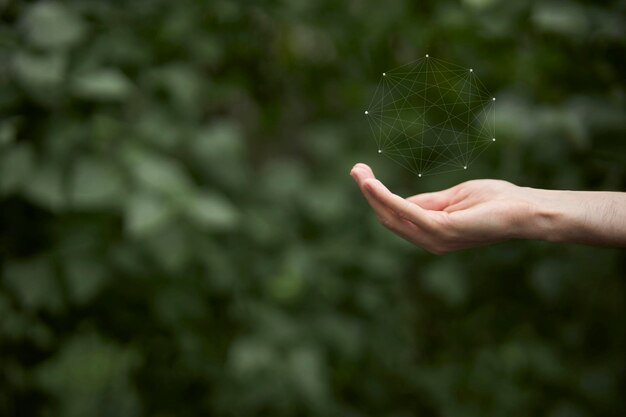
179,235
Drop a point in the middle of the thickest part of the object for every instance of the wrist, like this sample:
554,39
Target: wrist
552,216
590,217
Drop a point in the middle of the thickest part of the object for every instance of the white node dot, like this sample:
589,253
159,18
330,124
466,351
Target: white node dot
493,99
379,151
465,167
366,112
493,140
384,74
419,175
426,55
471,70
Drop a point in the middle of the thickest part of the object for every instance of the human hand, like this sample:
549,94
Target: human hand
482,212
470,214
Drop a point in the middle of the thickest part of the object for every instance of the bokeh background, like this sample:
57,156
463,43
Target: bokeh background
179,235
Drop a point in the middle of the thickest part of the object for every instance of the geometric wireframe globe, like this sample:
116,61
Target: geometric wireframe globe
431,116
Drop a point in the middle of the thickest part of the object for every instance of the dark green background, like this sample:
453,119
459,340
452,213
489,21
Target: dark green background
180,236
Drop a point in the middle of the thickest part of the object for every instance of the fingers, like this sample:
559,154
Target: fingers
423,228
404,208
435,201
430,201
395,213
361,174
427,220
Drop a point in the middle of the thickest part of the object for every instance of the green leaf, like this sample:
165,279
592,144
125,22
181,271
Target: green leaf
211,210
51,24
15,166
170,246
84,277
157,172
286,286
308,374
219,150
183,85
249,356
36,71
290,283
567,21
89,375
445,280
95,183
45,187
102,85
33,283
8,131
159,126
218,142
145,213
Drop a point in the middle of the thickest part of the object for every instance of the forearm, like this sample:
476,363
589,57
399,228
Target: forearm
597,218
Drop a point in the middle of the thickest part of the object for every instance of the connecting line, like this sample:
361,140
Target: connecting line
431,116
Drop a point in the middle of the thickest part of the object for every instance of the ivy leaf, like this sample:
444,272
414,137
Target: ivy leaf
52,25
33,283
90,373
145,213
15,166
46,188
211,210
39,71
95,183
102,85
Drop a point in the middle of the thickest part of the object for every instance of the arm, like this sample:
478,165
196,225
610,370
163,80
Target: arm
481,212
591,217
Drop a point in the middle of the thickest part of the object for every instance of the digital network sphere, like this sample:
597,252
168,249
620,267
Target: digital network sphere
432,116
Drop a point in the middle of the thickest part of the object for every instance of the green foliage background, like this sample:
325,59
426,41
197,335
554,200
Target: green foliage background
180,236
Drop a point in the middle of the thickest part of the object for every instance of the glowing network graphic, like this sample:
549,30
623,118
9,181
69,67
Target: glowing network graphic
432,116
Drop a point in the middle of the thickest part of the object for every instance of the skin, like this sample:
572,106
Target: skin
483,212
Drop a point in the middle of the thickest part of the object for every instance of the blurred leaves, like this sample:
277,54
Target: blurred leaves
40,73
446,281
102,85
15,167
33,283
49,24
95,183
568,19
179,234
146,212
91,376
211,211
45,186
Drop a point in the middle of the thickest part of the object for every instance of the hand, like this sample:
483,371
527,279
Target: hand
482,212
470,214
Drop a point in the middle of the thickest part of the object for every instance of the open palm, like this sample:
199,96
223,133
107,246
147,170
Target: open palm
470,214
